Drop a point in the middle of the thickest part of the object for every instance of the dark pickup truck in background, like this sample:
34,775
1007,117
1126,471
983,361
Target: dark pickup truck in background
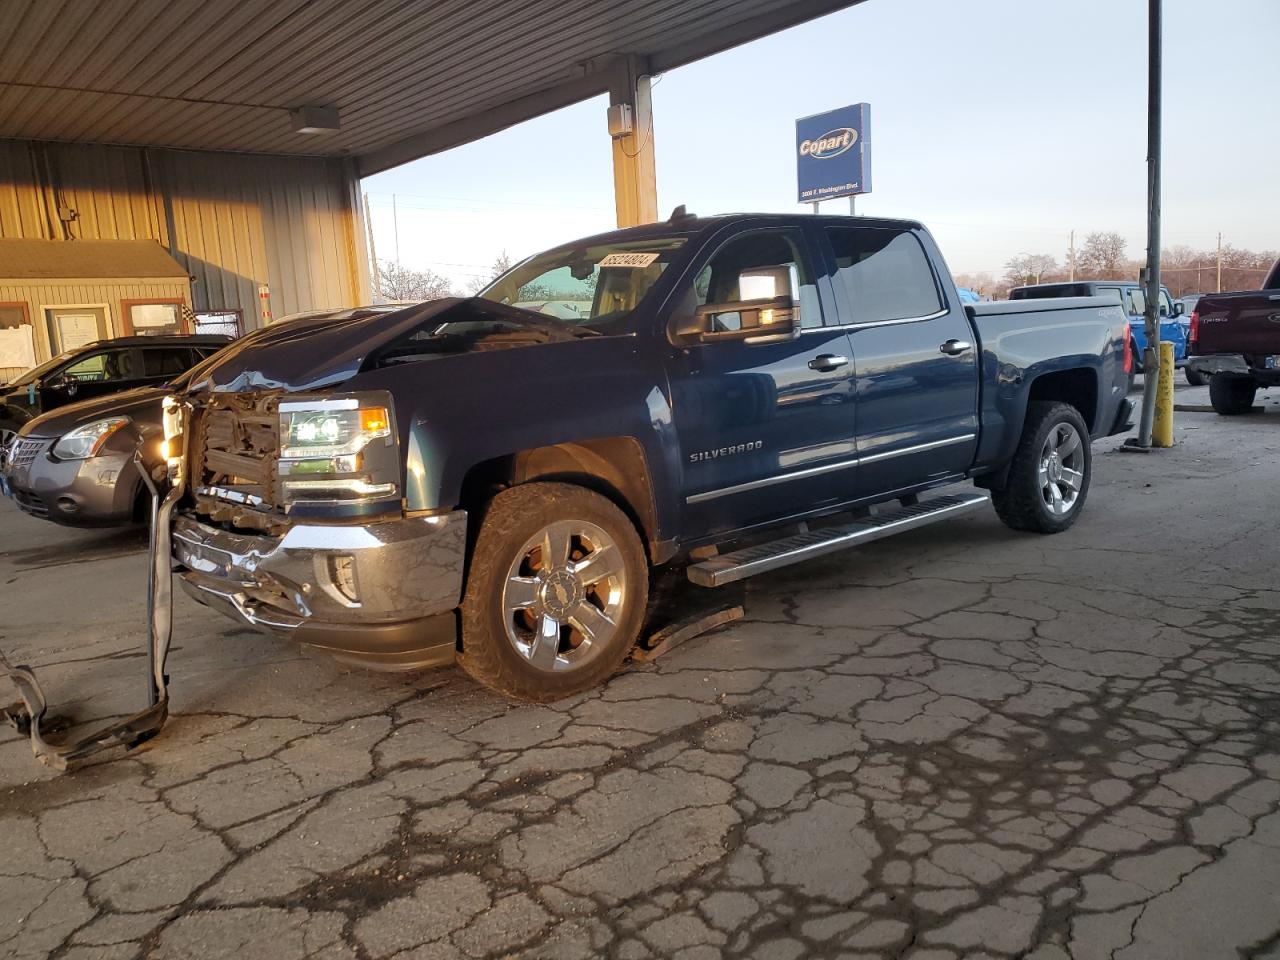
493,479
1235,342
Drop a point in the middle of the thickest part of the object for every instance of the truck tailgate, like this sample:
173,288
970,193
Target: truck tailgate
1246,323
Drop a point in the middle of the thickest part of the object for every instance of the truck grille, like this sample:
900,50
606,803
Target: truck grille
237,438
23,452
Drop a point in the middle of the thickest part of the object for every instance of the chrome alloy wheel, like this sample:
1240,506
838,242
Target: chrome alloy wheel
1061,471
564,595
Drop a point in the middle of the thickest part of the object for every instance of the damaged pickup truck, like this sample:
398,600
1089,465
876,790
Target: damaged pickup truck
493,480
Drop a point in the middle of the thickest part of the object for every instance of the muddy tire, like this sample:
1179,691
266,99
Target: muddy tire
556,592
1232,395
1049,476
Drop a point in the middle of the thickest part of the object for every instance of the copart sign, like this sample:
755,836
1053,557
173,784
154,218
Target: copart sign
833,153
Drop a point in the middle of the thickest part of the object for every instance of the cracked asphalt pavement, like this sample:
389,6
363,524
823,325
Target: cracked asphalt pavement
961,742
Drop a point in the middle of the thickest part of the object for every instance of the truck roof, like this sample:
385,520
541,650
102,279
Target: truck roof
691,225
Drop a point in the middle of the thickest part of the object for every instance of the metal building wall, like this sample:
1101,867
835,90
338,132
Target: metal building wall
235,221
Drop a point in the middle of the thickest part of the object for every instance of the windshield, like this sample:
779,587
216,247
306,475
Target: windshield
35,373
594,285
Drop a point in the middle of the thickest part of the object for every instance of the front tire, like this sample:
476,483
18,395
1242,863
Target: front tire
556,592
1196,378
1049,476
1232,395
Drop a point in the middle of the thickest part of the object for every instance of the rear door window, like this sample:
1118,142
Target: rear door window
167,362
885,274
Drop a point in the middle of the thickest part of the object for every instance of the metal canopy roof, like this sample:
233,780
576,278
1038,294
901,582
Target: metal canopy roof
409,77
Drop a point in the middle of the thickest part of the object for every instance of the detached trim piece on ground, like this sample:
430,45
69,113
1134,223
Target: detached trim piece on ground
29,717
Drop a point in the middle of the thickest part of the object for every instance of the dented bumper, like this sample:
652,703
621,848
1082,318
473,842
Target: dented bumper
380,595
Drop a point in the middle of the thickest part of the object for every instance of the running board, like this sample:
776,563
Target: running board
763,557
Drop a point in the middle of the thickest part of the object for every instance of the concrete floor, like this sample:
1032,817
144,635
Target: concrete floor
960,742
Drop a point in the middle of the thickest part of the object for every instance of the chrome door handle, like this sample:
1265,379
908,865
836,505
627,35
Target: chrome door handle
953,348
827,361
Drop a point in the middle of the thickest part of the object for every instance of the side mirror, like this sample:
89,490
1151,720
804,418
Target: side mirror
767,312
762,320
1179,308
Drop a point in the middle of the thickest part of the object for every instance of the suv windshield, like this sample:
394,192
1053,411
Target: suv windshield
35,373
594,285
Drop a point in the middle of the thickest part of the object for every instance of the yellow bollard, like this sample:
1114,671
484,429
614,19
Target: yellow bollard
1162,426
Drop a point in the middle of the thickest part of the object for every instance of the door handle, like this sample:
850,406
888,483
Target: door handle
827,361
953,348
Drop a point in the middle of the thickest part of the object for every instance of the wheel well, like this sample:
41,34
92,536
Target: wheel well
1076,387
614,467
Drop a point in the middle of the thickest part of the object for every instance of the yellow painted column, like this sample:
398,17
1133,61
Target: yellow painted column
635,181
1162,426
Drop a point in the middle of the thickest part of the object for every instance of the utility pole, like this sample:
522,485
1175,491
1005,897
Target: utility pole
373,251
1219,261
1151,275
1073,256
395,225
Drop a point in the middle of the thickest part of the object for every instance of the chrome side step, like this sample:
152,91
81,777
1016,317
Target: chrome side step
763,557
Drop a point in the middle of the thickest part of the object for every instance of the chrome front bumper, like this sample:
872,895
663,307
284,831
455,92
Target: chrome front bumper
381,594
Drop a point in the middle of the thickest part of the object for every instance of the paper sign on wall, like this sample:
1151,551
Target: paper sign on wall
76,329
17,349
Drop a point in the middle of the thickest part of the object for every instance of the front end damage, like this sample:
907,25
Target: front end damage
294,526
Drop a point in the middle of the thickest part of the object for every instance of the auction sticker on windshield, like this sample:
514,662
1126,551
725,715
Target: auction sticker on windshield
628,260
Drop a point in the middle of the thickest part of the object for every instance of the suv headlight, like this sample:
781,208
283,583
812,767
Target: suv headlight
340,449
84,442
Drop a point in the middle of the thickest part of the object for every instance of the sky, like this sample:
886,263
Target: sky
1003,125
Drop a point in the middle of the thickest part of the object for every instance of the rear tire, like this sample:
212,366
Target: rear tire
541,629
1196,378
1049,475
1232,395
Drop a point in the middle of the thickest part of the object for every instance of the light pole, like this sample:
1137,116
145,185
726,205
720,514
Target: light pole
1151,315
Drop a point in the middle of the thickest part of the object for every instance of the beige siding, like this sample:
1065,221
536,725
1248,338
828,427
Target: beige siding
234,221
41,294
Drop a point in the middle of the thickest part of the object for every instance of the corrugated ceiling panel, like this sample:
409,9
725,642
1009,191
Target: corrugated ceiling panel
222,74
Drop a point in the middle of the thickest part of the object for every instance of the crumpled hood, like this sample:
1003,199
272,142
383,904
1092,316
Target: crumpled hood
312,353
142,405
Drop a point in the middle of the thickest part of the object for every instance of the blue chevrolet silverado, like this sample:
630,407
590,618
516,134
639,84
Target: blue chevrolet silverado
495,480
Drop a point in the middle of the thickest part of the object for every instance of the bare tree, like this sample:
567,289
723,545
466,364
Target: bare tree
1029,268
980,283
403,283
501,264
1103,257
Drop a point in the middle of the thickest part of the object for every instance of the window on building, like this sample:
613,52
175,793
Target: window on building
149,319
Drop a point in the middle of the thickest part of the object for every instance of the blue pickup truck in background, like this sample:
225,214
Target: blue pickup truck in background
494,480
1133,297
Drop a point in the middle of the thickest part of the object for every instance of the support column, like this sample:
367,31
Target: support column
635,180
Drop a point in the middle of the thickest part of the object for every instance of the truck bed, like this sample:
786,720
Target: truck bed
1238,323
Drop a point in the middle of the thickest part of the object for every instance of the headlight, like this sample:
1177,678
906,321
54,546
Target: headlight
340,449
84,442
171,445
